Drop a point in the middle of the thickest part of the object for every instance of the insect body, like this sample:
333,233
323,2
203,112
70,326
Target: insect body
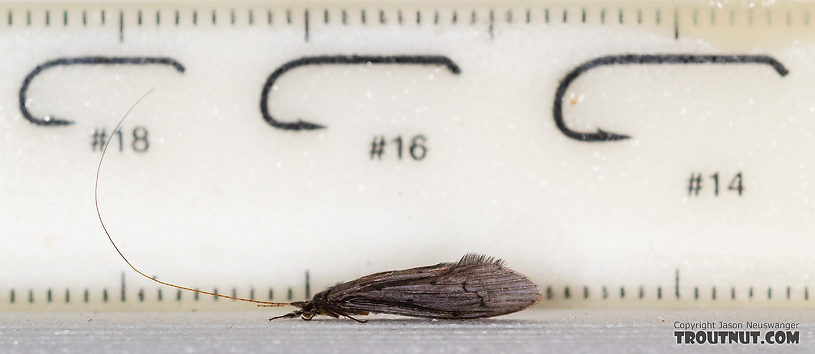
477,286
474,287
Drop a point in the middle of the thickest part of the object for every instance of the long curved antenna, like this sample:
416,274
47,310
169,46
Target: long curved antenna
628,59
340,60
99,214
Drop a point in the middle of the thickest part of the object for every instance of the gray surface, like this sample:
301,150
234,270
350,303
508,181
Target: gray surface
529,331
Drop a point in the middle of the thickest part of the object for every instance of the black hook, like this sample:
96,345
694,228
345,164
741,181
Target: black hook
50,120
602,135
335,60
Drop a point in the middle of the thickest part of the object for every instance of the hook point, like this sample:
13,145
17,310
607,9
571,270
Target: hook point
603,135
303,125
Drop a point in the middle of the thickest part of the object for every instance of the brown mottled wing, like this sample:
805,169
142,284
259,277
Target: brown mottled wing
476,286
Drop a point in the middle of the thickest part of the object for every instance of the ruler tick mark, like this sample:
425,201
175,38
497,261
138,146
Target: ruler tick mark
47,17
269,17
713,293
86,296
271,294
11,296
548,293
215,291
139,17
676,23
566,293
48,295
251,18
381,17
418,17
177,16
232,16
492,24
195,17
288,17
123,287
325,16
345,17
308,285
362,17
620,16
290,294
305,24
585,292
676,283
67,296
214,18
583,15
565,15
65,17
121,26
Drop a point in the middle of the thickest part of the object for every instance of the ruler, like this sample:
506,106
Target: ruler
620,154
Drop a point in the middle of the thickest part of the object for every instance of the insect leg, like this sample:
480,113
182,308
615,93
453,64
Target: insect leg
355,319
288,315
